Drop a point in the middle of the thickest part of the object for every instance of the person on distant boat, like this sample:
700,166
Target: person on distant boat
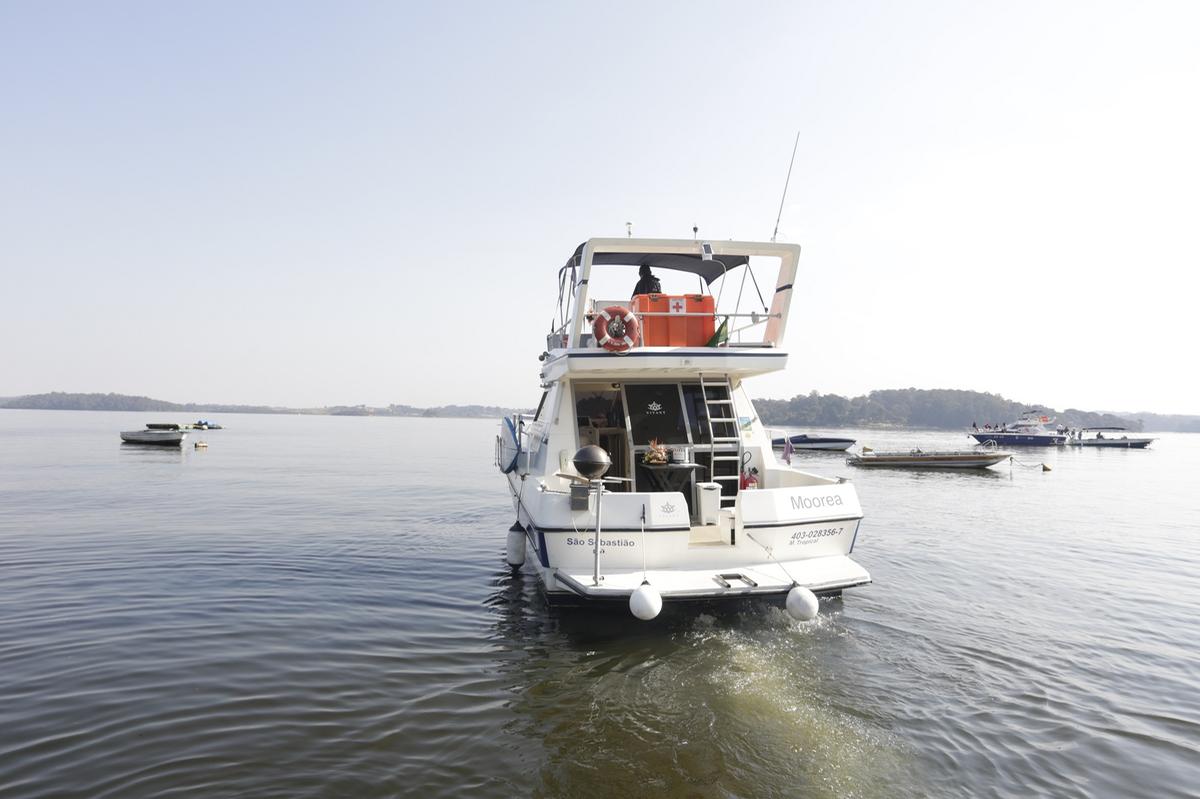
648,284
1099,436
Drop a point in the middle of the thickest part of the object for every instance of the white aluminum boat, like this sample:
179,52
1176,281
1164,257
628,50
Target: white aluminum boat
694,505
922,459
164,435
1118,437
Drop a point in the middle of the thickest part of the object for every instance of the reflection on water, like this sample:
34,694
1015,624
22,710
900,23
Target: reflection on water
151,453
717,701
319,606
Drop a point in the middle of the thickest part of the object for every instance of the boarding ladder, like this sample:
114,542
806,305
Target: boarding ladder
724,441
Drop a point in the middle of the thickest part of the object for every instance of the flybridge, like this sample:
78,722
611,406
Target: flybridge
746,290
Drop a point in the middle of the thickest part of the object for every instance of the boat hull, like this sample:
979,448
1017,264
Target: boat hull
158,438
1117,443
826,443
771,541
823,576
930,460
1019,439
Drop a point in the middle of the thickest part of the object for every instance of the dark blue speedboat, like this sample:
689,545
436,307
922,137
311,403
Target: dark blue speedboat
1031,430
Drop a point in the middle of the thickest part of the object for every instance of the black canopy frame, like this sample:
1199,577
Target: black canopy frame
709,269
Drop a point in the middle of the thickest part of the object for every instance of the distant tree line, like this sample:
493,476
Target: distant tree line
948,409
1178,423
63,401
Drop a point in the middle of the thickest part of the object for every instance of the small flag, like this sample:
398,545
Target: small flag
721,336
788,449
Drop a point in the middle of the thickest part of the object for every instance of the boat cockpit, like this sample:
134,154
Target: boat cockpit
665,435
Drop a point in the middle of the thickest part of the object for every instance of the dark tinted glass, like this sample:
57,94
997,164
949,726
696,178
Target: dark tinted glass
697,413
655,412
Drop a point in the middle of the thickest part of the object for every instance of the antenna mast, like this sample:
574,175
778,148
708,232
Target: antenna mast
786,181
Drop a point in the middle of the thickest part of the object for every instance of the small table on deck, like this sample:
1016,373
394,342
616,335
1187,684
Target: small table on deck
671,476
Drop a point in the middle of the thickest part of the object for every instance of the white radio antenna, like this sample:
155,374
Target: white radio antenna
785,187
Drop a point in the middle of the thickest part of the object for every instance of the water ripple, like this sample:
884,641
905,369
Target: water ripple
319,606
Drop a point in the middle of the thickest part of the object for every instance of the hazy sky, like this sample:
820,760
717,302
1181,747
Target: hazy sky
340,203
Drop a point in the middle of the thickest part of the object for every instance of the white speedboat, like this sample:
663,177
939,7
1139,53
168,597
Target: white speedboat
165,435
923,459
805,441
1117,437
645,474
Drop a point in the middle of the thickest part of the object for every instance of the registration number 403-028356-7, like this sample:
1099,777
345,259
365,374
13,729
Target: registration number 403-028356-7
808,536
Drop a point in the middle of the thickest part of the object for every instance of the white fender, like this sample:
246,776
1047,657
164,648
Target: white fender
515,548
645,602
802,604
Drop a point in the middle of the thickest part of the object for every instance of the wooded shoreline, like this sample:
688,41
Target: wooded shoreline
938,409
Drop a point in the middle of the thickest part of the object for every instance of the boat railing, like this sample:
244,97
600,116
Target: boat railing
529,439
757,317
559,337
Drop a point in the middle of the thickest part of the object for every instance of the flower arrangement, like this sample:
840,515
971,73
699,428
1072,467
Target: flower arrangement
657,454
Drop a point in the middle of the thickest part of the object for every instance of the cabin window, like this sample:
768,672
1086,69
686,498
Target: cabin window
538,413
600,418
697,413
599,407
655,412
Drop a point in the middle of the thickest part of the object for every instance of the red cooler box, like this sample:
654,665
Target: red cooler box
667,321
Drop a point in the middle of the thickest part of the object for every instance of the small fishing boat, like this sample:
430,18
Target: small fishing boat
204,424
805,441
921,459
163,435
1032,429
1094,437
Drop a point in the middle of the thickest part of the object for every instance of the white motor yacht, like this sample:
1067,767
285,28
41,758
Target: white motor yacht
1032,429
645,475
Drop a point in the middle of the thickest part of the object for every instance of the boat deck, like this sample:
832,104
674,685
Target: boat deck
709,535
820,575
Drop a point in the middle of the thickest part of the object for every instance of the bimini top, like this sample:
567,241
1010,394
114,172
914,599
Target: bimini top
709,269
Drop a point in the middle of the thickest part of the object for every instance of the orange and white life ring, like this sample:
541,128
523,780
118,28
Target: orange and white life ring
616,329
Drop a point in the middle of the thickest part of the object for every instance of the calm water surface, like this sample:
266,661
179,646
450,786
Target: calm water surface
319,606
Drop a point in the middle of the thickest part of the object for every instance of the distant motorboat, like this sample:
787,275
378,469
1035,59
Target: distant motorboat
204,424
163,435
1030,430
805,441
920,459
1094,437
